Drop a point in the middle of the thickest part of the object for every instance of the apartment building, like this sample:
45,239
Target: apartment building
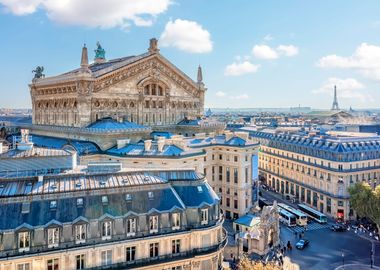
318,169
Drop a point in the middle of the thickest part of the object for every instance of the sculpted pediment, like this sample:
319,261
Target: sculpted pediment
154,68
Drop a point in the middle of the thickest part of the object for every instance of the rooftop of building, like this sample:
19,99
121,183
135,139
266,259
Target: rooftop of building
111,124
248,220
332,141
112,195
164,148
14,153
237,139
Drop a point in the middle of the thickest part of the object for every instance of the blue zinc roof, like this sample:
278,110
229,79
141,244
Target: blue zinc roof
109,123
82,147
139,150
328,147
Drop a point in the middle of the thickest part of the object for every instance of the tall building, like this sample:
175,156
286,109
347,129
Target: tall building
335,106
318,169
146,89
90,219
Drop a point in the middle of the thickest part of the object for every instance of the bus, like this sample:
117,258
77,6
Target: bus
287,218
314,214
301,218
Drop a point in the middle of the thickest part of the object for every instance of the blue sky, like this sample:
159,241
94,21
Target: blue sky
253,53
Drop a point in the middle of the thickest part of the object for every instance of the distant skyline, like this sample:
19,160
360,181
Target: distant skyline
254,54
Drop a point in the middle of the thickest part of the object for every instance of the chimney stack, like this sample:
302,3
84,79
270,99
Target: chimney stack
147,145
161,144
153,47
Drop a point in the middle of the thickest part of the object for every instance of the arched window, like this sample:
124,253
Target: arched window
160,91
132,105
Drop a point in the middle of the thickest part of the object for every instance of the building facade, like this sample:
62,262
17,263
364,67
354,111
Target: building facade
317,170
128,220
146,89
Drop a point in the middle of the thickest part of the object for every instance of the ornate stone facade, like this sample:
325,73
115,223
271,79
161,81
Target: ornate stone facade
146,89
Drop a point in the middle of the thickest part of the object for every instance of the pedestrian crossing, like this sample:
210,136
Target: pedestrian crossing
310,227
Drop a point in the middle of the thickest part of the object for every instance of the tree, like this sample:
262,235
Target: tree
365,201
247,264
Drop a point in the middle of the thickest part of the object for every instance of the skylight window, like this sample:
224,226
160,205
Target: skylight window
79,201
53,205
104,199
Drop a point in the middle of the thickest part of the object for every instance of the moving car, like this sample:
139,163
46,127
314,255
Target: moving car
301,244
338,228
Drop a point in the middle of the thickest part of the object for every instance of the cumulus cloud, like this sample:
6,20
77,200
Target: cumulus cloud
188,36
288,50
220,94
237,69
365,59
267,53
240,97
348,88
264,52
93,13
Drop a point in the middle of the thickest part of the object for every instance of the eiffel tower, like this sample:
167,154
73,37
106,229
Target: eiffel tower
335,106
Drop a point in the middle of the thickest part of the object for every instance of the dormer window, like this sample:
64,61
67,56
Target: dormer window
104,200
153,224
150,195
131,226
204,216
176,221
106,230
80,233
53,237
23,241
199,188
128,197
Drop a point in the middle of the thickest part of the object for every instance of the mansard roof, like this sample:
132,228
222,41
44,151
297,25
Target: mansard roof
336,144
139,193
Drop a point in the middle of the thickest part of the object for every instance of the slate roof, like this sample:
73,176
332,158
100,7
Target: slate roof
167,196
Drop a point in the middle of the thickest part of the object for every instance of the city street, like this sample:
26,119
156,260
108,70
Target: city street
327,249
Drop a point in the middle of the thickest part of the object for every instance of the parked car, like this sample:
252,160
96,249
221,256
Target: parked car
338,228
301,244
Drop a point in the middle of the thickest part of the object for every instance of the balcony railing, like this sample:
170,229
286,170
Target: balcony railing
167,257
93,242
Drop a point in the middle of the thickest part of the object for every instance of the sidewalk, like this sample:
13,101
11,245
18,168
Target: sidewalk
356,267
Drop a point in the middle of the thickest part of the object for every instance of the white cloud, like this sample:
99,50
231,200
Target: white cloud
264,52
93,13
268,37
237,69
287,50
187,36
365,59
220,94
348,88
268,53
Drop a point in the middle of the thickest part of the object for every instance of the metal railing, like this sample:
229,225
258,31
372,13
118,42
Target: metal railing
116,238
167,257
